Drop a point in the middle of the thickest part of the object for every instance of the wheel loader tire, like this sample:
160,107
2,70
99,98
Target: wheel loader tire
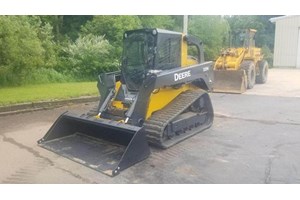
262,77
249,68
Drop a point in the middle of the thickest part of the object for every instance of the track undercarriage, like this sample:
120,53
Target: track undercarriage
190,113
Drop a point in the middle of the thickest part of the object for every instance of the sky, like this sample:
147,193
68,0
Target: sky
148,7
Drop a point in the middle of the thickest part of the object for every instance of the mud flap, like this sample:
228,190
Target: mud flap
104,145
230,81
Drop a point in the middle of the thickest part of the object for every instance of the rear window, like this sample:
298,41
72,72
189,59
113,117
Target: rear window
168,55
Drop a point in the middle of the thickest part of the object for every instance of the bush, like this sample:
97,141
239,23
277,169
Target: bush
113,27
44,75
38,76
88,57
20,47
268,55
26,46
213,31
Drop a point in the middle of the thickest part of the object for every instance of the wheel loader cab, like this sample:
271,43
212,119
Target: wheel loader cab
243,38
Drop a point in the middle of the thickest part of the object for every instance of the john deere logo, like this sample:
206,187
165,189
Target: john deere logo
182,75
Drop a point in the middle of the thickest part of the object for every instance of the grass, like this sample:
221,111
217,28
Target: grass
53,91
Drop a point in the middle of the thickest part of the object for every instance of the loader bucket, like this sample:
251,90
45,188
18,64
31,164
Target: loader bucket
104,145
230,81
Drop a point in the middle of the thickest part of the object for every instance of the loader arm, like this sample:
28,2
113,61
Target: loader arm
157,76
199,74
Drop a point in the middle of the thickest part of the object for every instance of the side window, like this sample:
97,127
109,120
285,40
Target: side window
135,53
193,53
168,55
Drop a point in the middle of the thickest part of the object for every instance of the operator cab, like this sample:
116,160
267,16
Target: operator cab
147,50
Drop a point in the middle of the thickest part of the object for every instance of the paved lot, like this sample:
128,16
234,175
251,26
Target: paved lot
254,139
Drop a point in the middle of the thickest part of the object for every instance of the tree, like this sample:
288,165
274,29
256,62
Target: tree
25,46
265,34
112,27
88,56
157,21
72,24
20,47
212,30
265,29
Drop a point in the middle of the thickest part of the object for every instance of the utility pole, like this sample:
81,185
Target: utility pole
185,24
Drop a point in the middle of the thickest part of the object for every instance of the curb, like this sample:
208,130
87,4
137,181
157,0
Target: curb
43,105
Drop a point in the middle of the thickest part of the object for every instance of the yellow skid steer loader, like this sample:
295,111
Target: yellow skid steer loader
159,96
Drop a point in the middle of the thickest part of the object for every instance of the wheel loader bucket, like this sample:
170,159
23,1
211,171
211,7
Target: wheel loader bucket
104,145
230,81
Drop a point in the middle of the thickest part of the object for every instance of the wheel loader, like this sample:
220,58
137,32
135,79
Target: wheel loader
238,69
159,96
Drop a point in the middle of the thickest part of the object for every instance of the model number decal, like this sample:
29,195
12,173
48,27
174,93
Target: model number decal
182,75
205,69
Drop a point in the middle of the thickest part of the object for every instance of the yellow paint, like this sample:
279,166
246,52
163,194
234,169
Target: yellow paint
118,85
118,105
164,96
184,52
191,62
232,58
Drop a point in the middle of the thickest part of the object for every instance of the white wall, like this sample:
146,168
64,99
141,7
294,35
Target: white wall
286,41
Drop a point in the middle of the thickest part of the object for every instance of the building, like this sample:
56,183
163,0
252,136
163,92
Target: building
287,41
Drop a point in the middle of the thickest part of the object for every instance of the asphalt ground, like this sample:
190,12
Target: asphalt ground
254,139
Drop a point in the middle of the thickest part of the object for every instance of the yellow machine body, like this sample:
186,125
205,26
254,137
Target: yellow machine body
158,97
163,96
230,69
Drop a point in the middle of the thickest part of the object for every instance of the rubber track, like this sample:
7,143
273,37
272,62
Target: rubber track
157,123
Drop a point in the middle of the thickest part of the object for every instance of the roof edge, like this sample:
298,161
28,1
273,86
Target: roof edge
275,19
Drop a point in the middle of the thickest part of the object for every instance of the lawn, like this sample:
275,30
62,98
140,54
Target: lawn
34,93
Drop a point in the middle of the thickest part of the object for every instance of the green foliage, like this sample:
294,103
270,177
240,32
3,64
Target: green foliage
178,22
65,26
268,55
244,22
72,24
42,92
25,46
37,76
46,75
157,21
265,34
20,47
56,21
113,28
88,56
212,30
46,37
265,29
57,48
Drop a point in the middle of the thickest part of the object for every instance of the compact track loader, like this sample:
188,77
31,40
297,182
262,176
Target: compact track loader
159,96
238,69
